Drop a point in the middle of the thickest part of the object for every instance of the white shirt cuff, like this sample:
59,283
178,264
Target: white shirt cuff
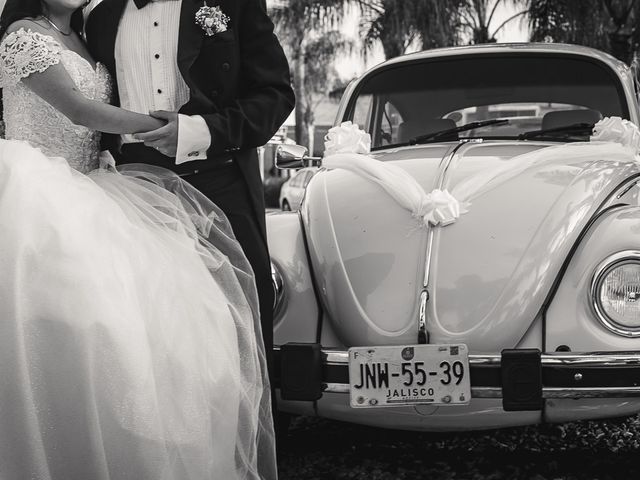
194,139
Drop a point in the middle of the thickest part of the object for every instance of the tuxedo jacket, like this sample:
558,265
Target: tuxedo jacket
239,80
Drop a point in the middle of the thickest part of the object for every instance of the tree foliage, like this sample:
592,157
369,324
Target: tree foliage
397,24
477,18
306,29
609,25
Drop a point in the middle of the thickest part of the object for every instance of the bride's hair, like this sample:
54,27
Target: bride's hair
15,10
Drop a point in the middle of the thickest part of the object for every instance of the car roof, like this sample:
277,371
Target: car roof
501,48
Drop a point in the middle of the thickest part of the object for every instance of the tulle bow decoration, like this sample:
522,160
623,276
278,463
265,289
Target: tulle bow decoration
440,208
347,147
347,138
106,161
617,130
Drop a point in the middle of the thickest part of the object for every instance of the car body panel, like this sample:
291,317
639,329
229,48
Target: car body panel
570,320
298,319
370,262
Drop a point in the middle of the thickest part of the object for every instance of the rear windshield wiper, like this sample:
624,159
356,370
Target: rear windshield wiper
566,130
462,128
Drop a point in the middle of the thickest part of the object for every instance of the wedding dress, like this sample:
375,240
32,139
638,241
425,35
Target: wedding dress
130,345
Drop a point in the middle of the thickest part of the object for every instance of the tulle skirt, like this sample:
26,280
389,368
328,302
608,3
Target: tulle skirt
130,345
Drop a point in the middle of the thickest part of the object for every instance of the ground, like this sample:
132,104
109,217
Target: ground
321,449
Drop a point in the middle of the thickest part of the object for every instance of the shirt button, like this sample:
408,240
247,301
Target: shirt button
155,24
159,91
226,67
157,55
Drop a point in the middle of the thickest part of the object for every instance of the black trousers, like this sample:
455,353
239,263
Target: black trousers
226,187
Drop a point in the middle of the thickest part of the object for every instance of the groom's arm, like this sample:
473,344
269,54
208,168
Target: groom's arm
263,101
265,97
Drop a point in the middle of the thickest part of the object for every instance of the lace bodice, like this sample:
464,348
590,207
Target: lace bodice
30,118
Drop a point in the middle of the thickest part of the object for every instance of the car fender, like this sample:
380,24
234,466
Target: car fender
570,319
297,319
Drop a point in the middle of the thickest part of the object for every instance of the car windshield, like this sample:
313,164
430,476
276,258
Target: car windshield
534,92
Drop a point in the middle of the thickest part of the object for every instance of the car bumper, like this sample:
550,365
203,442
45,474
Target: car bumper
521,378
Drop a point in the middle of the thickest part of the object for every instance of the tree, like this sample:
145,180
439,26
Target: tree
390,23
608,25
300,25
568,21
623,19
321,76
477,18
397,24
438,22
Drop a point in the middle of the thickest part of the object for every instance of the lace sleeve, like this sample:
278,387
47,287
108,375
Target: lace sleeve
24,52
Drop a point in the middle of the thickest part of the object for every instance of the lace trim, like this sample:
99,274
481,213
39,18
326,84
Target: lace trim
25,52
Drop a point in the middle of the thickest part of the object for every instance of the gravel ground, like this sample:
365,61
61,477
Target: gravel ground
322,449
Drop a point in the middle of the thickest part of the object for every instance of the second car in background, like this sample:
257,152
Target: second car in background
292,191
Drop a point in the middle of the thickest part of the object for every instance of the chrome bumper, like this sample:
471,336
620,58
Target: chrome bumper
562,375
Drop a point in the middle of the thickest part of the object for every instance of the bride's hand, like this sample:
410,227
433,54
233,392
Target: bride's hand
165,138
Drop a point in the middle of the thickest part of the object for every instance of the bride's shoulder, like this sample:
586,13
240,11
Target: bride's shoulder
28,30
26,48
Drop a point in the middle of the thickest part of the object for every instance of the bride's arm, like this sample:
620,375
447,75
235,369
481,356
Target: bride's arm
56,87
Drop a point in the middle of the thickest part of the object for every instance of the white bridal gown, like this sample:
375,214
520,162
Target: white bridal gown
130,345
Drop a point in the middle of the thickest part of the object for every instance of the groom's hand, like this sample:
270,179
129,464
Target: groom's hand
164,139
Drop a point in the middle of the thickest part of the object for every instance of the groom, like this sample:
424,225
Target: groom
216,73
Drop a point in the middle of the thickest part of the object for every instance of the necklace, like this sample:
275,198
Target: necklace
56,27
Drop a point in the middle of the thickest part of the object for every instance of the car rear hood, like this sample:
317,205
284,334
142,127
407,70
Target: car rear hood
490,272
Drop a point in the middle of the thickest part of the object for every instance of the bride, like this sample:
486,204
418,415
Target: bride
130,345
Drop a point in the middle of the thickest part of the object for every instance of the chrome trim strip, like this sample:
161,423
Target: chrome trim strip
591,392
424,293
278,289
573,359
555,392
422,316
593,359
599,273
486,392
623,191
335,388
548,392
335,357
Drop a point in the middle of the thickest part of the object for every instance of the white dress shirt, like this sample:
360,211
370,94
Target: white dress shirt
148,76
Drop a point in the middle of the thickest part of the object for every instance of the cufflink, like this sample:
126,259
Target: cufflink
193,154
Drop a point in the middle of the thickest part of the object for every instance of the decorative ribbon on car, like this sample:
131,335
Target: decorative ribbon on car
612,138
347,147
617,130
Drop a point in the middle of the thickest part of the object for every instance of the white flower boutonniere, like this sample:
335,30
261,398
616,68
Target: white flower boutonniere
212,20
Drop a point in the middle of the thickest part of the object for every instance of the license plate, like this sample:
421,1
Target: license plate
409,375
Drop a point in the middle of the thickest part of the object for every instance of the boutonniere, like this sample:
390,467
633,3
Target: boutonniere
211,19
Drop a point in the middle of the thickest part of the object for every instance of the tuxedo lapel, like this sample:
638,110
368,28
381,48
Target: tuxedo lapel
110,19
190,37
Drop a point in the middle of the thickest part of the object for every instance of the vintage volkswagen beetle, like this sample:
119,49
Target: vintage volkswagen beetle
525,309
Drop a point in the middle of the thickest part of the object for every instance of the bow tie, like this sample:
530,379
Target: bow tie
142,3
